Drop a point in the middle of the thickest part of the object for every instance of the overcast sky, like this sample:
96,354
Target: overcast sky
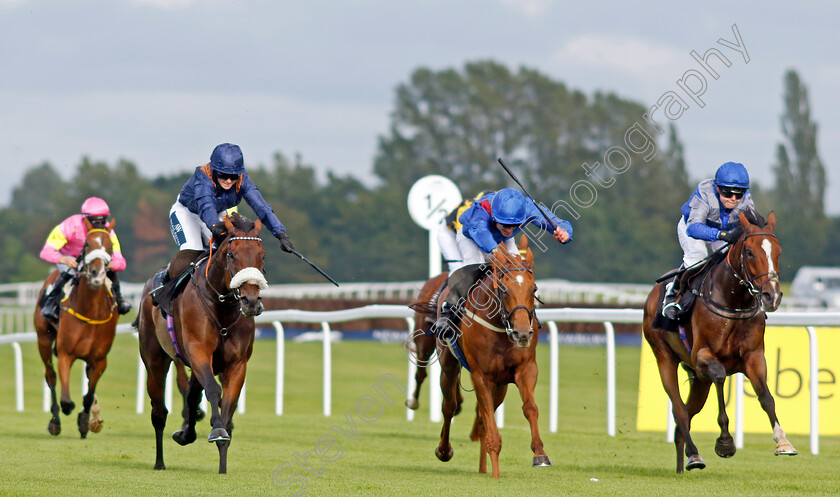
161,82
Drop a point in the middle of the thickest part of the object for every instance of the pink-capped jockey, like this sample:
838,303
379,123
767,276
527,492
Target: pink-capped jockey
63,246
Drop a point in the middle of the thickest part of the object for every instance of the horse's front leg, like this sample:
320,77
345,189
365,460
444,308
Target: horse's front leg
492,440
526,381
203,372
192,396
46,342
94,371
667,362
450,373
64,364
756,371
710,370
232,381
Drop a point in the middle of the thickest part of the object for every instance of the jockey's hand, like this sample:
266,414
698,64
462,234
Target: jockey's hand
285,242
561,235
732,235
68,261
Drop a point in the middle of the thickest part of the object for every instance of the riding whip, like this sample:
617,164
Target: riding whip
316,268
547,217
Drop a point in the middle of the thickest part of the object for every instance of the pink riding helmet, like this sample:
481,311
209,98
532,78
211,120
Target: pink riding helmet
95,206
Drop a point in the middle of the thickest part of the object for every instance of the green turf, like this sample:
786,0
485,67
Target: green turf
389,456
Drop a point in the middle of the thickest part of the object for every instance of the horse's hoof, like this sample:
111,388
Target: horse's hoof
184,437
218,435
412,404
541,461
785,449
444,457
96,425
54,428
725,448
67,407
160,466
84,424
695,462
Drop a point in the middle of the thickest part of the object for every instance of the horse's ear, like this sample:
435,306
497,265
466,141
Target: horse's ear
770,225
110,226
257,227
523,242
228,223
745,223
88,225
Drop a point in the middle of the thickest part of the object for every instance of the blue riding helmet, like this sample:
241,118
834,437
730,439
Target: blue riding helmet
508,207
732,174
227,159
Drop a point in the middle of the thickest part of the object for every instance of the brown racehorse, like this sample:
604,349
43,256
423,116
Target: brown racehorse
86,328
725,335
214,327
422,343
498,335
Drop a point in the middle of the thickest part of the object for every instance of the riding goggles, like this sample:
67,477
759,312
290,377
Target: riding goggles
731,191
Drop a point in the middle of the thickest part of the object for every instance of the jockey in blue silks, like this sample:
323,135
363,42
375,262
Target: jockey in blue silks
493,219
709,220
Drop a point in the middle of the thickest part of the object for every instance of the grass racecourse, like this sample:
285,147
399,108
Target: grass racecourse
388,456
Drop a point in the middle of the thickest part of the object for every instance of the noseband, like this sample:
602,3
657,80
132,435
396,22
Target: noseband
233,295
744,278
85,257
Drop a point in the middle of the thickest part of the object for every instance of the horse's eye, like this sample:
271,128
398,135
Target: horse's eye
749,253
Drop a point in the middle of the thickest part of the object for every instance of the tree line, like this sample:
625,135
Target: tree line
456,122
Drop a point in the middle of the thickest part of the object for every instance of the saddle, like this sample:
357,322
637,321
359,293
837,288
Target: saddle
691,279
170,281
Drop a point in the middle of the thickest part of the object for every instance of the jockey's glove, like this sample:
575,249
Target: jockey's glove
285,242
732,235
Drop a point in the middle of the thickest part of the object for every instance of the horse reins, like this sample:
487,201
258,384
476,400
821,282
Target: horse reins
83,261
748,282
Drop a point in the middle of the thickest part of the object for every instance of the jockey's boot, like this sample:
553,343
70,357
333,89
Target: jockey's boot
459,284
670,306
52,295
123,306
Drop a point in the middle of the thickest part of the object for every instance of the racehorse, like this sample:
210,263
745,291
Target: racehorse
86,328
422,343
213,334
724,335
497,338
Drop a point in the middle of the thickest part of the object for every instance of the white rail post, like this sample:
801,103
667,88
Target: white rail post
553,376
141,384
669,429
500,416
325,327
739,411
610,332
281,365
240,404
85,383
18,376
412,368
47,397
167,390
435,393
815,393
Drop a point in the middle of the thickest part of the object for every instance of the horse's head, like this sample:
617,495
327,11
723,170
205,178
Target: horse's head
96,254
758,251
513,274
244,258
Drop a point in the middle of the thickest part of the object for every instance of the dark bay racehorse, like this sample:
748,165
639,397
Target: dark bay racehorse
724,335
86,327
214,328
498,335
422,343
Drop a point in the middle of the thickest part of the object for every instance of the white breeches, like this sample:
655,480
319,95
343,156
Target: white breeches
694,250
449,247
472,254
188,230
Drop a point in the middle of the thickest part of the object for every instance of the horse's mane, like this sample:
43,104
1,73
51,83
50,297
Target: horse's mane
755,218
239,221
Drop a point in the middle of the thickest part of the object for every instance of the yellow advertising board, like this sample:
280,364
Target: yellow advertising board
788,377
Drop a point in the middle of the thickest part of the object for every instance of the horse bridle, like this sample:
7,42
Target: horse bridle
505,313
745,279
85,257
233,295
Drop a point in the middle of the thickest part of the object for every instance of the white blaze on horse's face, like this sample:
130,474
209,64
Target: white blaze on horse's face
771,268
520,279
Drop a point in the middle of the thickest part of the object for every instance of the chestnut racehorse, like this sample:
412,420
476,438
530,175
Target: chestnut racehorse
86,327
497,336
214,327
724,335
